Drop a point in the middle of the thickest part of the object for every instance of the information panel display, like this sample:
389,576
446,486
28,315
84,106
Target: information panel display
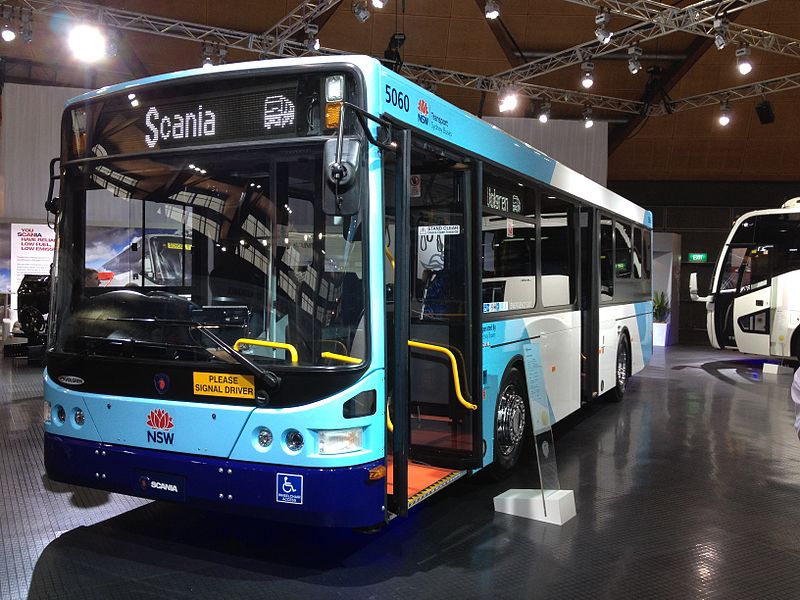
158,125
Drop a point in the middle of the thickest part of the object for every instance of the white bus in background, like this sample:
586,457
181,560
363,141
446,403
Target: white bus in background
754,300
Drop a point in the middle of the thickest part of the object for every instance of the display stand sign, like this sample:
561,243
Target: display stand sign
550,504
32,249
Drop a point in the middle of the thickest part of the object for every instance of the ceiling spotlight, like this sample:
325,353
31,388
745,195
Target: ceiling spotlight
724,114
634,53
720,33
587,80
378,3
743,62
491,9
588,122
208,56
360,10
509,99
87,42
544,112
8,35
602,20
312,41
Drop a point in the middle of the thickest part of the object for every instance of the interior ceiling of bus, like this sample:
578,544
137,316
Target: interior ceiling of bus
683,81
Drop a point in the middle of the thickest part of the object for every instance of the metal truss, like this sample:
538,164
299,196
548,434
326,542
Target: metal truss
698,19
257,44
659,20
742,92
295,22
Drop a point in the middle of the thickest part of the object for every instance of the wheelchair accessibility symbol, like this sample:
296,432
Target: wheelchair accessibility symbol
289,488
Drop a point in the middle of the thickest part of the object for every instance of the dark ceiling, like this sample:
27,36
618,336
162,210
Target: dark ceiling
455,35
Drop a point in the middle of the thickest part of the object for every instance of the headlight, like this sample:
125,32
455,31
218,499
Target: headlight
340,441
61,414
294,440
80,418
264,437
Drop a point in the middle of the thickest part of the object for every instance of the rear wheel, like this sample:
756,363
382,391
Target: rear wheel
622,369
510,422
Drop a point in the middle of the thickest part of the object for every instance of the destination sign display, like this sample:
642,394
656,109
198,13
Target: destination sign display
506,200
206,120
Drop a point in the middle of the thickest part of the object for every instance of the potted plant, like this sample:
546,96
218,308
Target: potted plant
660,316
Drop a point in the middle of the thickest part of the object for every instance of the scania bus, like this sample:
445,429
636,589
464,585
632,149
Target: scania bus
753,306
358,269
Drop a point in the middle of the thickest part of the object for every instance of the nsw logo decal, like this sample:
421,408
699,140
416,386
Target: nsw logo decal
161,381
160,423
422,109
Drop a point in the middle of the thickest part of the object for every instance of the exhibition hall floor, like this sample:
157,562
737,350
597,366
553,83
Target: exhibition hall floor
689,488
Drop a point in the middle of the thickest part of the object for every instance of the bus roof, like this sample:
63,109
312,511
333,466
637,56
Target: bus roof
429,113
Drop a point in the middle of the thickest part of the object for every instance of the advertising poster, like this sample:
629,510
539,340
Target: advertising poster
5,258
31,252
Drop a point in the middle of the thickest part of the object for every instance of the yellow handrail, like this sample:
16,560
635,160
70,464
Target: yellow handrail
292,350
341,357
389,423
454,369
388,254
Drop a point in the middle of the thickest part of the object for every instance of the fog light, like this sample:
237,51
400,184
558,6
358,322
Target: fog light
80,418
265,437
61,414
47,412
341,441
294,440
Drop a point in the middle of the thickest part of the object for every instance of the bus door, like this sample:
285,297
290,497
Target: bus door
439,303
742,299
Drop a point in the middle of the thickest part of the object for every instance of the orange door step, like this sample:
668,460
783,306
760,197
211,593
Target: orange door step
423,480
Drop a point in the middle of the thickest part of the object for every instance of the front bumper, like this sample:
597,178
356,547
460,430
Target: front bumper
337,497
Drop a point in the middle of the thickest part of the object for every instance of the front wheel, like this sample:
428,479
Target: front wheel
510,423
622,369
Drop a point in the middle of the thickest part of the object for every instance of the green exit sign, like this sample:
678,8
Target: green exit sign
698,256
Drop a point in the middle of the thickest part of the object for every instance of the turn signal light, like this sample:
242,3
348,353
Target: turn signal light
332,111
378,472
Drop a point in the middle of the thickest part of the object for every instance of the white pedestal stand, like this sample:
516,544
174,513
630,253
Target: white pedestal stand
776,369
558,506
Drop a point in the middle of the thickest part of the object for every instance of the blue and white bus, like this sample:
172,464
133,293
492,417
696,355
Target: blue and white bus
358,270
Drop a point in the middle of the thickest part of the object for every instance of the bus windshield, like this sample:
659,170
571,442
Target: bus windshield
235,241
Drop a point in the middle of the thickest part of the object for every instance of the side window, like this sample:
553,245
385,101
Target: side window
508,245
782,232
623,240
606,258
638,262
647,238
557,248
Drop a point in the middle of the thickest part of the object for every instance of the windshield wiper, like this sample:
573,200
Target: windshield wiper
267,377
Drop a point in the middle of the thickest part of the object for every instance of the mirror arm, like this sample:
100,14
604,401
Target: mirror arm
362,116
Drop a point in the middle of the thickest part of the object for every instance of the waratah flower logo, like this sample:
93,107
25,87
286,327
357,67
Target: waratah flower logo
159,419
422,107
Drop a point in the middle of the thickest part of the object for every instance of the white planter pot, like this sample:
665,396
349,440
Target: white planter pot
660,331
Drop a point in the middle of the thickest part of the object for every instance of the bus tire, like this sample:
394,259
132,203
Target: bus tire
622,369
511,423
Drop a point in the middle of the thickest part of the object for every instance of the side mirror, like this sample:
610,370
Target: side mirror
341,193
693,290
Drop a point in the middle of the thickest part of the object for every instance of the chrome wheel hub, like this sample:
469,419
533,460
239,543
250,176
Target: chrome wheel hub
510,420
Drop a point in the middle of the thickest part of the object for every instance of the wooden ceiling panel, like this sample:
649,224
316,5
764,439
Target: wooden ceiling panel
472,39
453,34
